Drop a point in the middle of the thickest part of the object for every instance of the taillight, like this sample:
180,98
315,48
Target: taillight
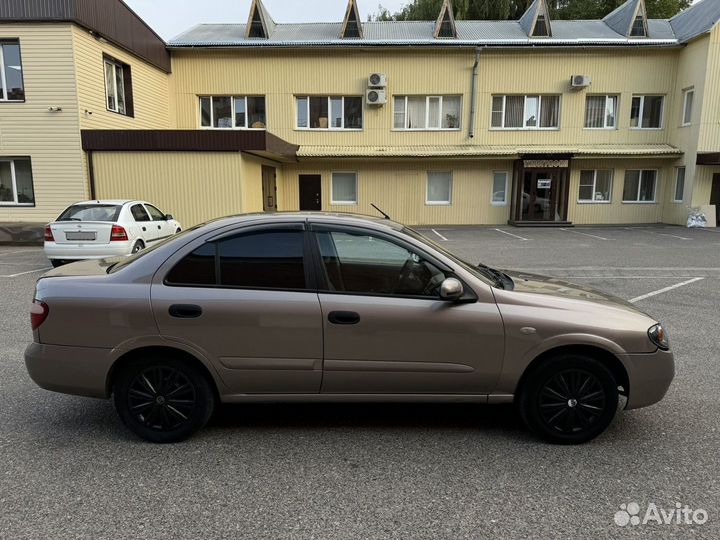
38,313
118,234
48,234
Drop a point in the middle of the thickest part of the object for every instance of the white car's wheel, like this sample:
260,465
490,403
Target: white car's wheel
139,245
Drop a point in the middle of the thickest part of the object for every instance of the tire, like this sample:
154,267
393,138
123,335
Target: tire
178,231
163,399
569,399
56,262
139,246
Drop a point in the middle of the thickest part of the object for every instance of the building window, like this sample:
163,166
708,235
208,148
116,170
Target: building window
227,112
344,188
329,112
600,112
638,27
679,185
640,186
688,98
16,183
525,112
439,187
595,186
118,87
11,74
499,188
646,112
427,112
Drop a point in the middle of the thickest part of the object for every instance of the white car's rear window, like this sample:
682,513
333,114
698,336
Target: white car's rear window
91,212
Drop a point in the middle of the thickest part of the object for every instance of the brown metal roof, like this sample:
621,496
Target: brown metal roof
110,19
258,142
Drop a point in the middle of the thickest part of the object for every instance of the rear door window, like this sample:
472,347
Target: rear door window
139,213
91,212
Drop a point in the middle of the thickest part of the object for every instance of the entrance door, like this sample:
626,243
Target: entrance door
269,189
540,190
715,197
310,192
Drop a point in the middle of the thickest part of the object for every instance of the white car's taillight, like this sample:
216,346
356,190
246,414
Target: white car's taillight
118,234
48,234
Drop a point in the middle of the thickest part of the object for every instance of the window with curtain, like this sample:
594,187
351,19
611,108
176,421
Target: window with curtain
525,112
639,186
427,112
600,112
595,186
228,112
439,187
646,112
679,185
16,183
12,87
329,112
344,188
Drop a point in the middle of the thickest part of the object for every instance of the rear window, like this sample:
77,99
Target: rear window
91,212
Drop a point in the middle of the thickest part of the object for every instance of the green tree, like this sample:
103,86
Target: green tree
428,10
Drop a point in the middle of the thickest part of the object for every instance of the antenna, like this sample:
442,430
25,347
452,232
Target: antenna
383,213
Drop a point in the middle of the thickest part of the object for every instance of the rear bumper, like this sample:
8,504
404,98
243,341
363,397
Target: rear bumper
54,250
81,371
650,377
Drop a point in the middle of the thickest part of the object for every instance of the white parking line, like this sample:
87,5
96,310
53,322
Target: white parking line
584,234
673,236
664,290
28,272
17,251
440,235
511,234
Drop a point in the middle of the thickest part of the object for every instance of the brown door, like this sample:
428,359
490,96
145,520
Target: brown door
269,189
540,194
310,192
715,197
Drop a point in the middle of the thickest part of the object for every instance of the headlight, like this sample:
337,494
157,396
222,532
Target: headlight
659,337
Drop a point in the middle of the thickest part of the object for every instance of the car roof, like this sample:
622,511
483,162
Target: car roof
117,202
336,218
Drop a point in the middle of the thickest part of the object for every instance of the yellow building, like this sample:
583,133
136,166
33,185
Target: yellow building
535,121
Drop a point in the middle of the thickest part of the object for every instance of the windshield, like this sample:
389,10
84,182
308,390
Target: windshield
494,277
91,212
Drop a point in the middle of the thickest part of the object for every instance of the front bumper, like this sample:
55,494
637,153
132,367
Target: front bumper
650,377
71,252
81,371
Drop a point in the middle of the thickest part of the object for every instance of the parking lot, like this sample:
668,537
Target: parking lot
69,469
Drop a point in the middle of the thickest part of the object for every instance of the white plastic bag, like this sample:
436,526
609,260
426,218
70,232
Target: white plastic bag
696,219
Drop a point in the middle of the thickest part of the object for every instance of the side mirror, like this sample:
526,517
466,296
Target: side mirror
451,289
168,217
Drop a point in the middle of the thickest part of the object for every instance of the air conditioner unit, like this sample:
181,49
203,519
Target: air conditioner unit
580,81
377,80
376,97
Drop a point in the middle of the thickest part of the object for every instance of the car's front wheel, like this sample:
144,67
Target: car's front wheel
163,399
569,399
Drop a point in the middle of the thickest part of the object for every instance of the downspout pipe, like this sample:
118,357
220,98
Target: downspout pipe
473,93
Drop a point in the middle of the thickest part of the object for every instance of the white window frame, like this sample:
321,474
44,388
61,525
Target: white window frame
492,189
427,112
525,100
637,193
332,189
610,191
685,121
329,100
642,107
428,202
617,109
4,93
677,173
15,202
115,66
232,112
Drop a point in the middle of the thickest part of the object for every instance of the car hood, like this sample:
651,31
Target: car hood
559,288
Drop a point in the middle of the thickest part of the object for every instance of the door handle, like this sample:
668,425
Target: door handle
159,227
144,229
185,311
343,317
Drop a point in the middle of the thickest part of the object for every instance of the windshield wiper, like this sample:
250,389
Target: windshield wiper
496,275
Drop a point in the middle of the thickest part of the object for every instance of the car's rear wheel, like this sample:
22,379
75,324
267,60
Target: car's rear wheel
139,245
163,399
569,399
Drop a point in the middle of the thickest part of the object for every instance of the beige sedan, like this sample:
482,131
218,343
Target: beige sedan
322,307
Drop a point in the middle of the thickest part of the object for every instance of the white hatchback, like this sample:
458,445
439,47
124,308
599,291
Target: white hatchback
99,229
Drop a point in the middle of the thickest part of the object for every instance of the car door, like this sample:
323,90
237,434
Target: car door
386,330
144,225
247,301
161,227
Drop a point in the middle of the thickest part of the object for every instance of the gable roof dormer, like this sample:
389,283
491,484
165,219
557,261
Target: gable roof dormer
536,20
445,25
629,19
260,24
352,26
